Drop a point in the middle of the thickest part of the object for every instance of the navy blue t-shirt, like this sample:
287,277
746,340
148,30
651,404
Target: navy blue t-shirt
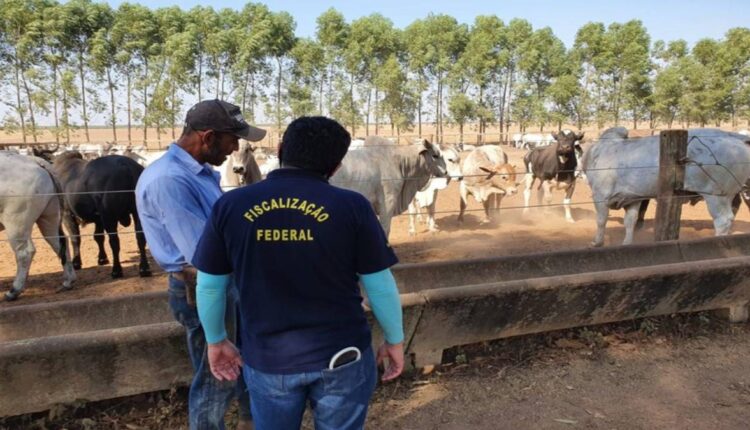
295,244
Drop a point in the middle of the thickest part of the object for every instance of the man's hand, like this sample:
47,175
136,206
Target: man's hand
391,357
225,360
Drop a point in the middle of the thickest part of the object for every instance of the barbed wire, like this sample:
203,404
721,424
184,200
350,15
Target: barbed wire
408,178
686,198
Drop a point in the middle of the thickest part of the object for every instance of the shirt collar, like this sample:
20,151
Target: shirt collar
287,172
187,160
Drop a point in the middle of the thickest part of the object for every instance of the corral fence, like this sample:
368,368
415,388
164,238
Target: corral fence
100,348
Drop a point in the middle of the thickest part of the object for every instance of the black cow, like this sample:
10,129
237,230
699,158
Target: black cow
101,192
555,167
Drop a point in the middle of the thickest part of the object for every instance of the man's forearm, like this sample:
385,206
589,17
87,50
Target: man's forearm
212,299
385,303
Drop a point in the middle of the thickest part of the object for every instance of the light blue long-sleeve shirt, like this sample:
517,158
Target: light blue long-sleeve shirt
174,197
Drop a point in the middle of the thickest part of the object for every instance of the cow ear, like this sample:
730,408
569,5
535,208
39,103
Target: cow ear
554,135
579,136
426,143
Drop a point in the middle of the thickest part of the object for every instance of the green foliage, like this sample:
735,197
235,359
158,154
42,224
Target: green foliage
81,60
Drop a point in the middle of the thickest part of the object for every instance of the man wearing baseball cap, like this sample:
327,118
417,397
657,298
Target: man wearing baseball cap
174,197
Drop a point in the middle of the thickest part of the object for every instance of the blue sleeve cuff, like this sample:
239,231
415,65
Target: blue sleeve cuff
385,303
211,295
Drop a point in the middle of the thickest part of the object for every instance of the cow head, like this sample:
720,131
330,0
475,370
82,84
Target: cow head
501,177
452,162
566,143
433,159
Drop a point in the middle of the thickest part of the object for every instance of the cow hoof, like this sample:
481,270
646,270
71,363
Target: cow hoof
76,266
144,273
570,220
62,288
484,221
10,296
116,275
102,261
597,244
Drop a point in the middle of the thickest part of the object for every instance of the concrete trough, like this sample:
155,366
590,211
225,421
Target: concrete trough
96,349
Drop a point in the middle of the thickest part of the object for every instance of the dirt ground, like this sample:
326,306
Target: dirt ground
674,372
512,233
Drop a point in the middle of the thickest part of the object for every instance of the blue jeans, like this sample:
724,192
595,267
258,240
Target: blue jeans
338,397
209,398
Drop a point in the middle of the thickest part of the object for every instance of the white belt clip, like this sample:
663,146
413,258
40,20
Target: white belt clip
342,352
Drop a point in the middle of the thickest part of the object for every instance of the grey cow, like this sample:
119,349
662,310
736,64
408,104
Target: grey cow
623,172
30,194
389,175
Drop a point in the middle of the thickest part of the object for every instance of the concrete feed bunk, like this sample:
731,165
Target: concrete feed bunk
95,349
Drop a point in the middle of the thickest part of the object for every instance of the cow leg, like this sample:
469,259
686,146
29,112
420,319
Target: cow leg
720,208
75,238
630,219
602,213
546,194
529,182
736,203
463,194
643,206
49,225
566,202
412,215
486,204
114,244
24,250
99,238
144,269
431,224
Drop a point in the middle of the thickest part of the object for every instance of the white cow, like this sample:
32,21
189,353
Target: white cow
618,172
427,197
30,194
535,140
744,132
488,177
517,140
389,175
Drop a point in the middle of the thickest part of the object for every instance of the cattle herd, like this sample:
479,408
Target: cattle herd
68,187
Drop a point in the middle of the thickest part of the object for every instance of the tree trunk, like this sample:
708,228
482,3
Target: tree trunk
351,105
244,90
278,99
173,110
31,106
145,102
511,73
377,113
200,77
130,107
419,109
54,103
82,74
66,117
19,105
112,104
367,115
321,90
252,97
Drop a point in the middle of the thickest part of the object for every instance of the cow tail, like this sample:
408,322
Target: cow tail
62,240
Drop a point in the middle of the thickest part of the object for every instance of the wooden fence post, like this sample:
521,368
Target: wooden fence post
672,152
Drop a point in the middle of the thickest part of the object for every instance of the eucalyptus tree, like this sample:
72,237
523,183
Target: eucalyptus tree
399,95
332,34
54,57
518,33
202,22
733,63
82,21
21,24
586,54
281,40
308,66
670,63
221,48
251,69
478,64
542,60
434,45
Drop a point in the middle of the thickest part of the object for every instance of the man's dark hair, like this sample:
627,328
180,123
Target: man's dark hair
315,143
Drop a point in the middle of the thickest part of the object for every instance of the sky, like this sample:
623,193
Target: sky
665,19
